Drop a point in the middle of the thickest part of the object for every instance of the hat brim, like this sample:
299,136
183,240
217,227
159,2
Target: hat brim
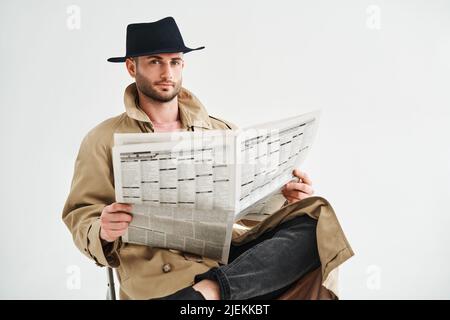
184,50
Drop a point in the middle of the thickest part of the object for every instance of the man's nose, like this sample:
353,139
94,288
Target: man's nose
166,71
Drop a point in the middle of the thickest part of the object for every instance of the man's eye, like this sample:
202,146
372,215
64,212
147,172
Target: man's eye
176,62
154,62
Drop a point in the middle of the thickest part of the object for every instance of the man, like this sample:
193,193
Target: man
265,262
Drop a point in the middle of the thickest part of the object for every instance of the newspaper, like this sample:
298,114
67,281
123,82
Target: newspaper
188,188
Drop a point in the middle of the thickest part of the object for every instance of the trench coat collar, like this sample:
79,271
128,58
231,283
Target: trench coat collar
192,112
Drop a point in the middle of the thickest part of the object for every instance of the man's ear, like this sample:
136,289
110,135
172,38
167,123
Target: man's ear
131,67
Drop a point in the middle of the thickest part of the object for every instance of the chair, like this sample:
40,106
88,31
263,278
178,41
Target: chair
111,291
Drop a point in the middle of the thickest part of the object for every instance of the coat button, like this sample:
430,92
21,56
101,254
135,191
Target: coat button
166,267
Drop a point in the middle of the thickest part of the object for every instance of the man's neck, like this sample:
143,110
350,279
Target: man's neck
159,112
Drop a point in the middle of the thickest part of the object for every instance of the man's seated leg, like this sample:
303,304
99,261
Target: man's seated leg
270,264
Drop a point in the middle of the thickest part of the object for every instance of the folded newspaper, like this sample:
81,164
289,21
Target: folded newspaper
188,188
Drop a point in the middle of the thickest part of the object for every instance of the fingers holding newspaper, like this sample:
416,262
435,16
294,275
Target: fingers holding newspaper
114,221
296,191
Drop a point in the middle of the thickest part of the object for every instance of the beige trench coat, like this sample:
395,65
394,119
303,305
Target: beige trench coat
140,268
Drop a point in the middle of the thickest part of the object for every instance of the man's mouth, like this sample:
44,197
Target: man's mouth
164,84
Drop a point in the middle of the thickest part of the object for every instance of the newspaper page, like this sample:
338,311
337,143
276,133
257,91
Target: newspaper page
188,188
182,192
268,155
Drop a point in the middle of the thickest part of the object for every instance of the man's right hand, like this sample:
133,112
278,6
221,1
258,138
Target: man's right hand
114,221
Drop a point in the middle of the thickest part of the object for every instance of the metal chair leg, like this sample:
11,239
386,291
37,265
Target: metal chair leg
111,293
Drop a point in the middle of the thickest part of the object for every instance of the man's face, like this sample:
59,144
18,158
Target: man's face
159,76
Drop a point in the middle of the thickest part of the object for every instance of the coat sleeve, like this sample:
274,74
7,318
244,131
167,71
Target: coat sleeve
91,190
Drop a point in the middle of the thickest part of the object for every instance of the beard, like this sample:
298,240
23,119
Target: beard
160,94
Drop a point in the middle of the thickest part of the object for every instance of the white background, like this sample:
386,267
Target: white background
378,70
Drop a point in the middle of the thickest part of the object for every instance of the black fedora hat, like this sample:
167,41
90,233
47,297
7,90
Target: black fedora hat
162,36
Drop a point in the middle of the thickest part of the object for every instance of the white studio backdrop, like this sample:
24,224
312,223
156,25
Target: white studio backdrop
378,70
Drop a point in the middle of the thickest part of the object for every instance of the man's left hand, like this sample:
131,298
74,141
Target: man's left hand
296,191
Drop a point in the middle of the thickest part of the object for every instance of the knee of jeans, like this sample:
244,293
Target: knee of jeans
303,227
301,220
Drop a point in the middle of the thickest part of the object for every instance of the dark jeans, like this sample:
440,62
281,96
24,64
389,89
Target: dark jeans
266,267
